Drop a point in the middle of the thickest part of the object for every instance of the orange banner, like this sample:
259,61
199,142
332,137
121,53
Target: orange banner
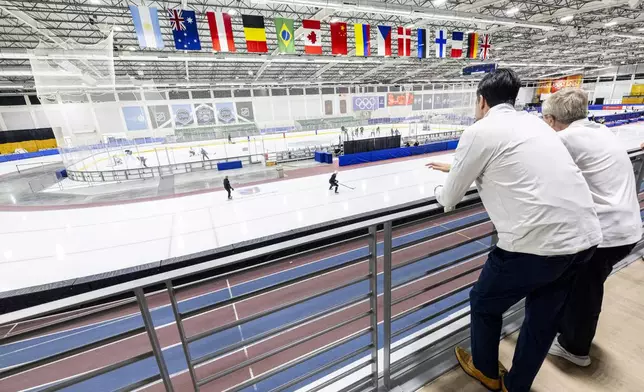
554,85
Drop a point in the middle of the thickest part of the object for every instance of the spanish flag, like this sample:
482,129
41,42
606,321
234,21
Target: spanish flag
362,39
255,33
472,45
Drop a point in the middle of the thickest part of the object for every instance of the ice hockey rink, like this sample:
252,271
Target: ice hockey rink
86,241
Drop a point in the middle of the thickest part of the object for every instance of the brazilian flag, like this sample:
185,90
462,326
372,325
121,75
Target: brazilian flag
285,35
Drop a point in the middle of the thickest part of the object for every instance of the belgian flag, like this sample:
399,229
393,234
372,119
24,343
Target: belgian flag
255,33
31,140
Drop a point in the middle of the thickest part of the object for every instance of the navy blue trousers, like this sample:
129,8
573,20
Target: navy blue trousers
506,278
581,315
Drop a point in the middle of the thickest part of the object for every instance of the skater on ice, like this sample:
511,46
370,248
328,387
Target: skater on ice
228,187
204,155
334,182
192,152
142,159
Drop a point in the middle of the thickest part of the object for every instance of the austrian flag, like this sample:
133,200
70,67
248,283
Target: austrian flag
221,31
312,36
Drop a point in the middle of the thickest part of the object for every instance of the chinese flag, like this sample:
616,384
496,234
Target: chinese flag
339,38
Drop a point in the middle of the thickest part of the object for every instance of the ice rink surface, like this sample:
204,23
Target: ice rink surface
38,247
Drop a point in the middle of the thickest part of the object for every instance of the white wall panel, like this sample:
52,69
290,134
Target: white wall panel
18,120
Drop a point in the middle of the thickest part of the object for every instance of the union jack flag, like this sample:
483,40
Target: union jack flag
176,20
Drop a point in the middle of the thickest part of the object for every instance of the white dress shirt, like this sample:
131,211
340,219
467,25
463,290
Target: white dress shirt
534,193
609,173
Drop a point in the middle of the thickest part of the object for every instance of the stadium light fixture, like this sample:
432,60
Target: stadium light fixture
512,11
567,18
610,24
437,3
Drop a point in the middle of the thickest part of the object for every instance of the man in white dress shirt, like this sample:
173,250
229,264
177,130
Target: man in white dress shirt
543,212
608,171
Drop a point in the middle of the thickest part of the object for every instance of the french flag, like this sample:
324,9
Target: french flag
457,45
384,41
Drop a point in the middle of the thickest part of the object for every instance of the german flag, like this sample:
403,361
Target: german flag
31,140
255,33
472,45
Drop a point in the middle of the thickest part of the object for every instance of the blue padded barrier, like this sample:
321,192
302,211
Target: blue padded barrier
374,156
229,165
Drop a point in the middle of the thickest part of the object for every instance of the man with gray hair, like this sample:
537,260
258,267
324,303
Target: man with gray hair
605,165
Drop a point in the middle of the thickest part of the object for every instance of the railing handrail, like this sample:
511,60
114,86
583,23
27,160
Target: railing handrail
158,279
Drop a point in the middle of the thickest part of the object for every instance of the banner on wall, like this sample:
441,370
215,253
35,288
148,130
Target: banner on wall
225,112
428,100
160,116
400,99
182,115
328,107
365,103
418,103
381,102
245,111
343,106
553,85
205,114
134,118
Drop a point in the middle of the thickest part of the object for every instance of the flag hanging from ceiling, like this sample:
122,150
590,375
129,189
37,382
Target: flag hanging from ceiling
255,33
339,38
184,29
146,24
441,43
423,44
485,48
363,35
285,31
404,42
384,40
457,44
312,32
221,31
472,45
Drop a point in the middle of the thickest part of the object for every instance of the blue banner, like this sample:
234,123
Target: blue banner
480,68
182,115
365,103
225,113
134,118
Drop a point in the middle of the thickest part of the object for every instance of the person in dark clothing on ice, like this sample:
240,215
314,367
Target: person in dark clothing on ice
204,155
228,187
333,182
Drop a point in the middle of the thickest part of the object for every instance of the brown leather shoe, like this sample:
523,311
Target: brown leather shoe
465,360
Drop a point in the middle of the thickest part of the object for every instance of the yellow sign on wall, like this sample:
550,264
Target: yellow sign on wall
637,89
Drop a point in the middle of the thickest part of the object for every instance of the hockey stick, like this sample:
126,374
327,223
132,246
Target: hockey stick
346,186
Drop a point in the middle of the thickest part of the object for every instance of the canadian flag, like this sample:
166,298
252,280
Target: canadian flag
312,36
404,42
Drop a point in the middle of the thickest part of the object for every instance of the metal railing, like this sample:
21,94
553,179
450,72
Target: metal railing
411,269
141,173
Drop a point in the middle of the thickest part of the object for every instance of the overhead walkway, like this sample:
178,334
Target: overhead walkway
376,302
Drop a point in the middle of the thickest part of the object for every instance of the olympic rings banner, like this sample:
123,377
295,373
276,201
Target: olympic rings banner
365,103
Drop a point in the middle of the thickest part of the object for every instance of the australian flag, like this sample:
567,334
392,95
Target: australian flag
184,29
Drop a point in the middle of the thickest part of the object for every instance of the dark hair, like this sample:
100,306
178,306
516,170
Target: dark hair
500,86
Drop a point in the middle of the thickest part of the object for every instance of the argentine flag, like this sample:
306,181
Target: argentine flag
146,24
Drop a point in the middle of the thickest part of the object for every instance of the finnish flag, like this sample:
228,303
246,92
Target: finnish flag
146,24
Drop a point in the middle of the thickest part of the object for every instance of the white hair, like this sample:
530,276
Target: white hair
567,105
